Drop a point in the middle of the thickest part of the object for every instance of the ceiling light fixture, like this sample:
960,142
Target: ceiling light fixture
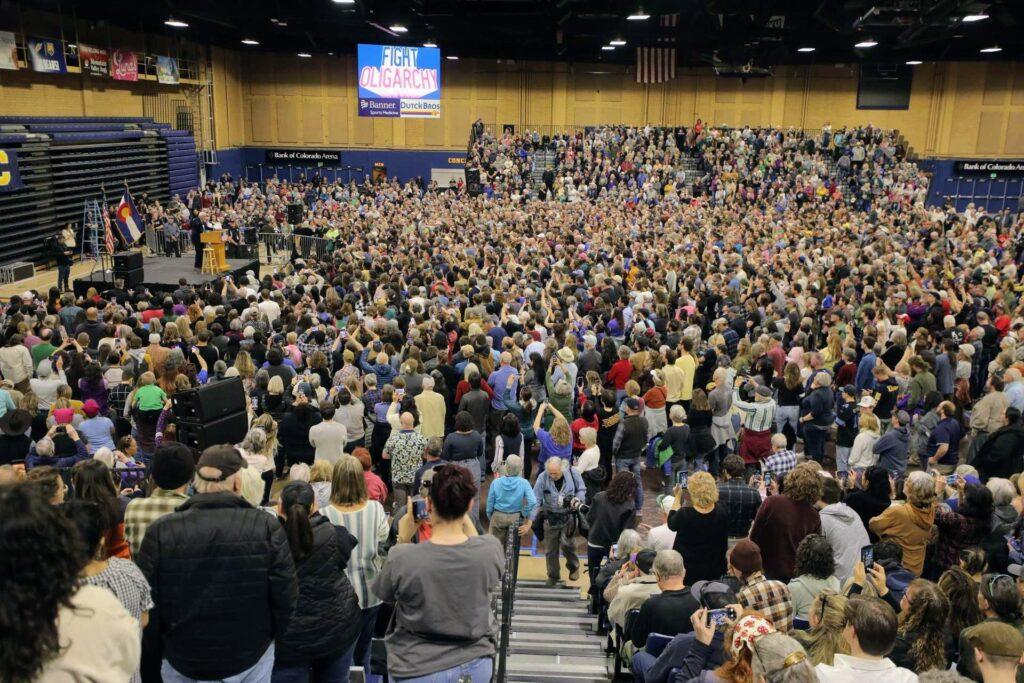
305,55
430,43
607,48
454,58
866,43
914,62
617,42
806,49
176,23
398,28
250,41
344,2
994,48
639,15
971,18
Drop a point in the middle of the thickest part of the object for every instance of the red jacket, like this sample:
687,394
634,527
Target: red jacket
620,373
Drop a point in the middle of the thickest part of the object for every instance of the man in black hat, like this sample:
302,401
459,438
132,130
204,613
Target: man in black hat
14,439
223,578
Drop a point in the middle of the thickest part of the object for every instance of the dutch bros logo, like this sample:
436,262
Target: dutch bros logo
5,175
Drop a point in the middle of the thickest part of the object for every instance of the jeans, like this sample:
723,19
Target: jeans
63,276
475,670
814,442
787,415
633,465
642,663
260,672
361,655
842,459
595,554
330,669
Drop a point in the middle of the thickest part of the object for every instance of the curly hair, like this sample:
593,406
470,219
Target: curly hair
803,485
923,623
621,488
39,565
702,488
560,432
814,556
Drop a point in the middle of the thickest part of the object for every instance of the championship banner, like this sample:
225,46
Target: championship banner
94,60
8,51
124,65
399,82
9,177
47,56
167,70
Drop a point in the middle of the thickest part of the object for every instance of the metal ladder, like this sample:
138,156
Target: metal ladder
92,219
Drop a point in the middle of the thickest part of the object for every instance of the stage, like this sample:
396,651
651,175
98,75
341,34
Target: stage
161,274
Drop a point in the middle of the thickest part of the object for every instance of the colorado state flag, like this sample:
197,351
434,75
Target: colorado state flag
128,220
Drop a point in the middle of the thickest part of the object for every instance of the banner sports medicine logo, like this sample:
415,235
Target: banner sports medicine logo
400,82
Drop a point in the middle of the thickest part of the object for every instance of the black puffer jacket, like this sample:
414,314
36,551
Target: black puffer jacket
223,583
327,617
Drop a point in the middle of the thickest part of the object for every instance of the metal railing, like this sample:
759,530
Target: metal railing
508,596
276,247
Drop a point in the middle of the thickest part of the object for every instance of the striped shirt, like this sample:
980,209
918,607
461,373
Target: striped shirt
370,527
755,416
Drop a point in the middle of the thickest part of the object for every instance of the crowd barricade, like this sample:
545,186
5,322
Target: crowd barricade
275,247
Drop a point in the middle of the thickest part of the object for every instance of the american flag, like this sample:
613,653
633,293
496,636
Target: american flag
108,233
658,64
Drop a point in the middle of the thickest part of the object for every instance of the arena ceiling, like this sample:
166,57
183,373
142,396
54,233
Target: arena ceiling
741,34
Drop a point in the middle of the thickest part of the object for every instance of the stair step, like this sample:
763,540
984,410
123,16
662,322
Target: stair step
555,625
528,634
553,611
542,647
516,665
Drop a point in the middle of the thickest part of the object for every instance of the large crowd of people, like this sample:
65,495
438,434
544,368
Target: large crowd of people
811,378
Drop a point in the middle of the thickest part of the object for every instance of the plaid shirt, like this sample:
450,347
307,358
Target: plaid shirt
742,503
779,463
770,598
117,397
308,348
142,512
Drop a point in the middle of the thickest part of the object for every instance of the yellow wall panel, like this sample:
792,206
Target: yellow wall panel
485,85
288,119
990,132
383,132
433,132
997,83
337,121
362,130
261,120
312,120
1015,134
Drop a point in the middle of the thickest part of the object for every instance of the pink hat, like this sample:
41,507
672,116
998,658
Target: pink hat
91,408
63,416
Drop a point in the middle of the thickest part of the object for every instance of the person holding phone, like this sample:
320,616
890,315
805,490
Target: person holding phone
702,528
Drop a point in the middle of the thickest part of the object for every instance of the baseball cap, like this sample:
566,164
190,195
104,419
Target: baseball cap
224,458
996,638
633,403
774,653
867,402
1015,570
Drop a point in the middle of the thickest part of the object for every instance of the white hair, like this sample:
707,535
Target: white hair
1002,490
513,466
44,447
105,456
228,485
428,383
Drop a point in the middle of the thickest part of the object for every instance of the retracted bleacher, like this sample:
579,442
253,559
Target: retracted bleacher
64,161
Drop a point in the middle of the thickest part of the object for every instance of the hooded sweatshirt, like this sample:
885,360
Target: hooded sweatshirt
892,449
511,495
805,588
843,528
910,527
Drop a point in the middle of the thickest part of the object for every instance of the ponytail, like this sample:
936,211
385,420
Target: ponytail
299,531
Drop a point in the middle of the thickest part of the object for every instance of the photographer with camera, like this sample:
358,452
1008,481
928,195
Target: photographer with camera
560,491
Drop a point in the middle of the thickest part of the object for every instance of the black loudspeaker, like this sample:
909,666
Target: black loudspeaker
126,261
210,402
295,212
132,278
201,435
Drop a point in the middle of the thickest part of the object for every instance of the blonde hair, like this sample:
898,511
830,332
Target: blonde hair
267,424
869,423
275,385
560,432
348,485
632,388
147,378
702,488
588,436
321,471
243,363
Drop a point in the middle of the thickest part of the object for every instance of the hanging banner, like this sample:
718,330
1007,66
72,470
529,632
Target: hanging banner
167,70
9,178
399,82
995,168
124,65
47,56
94,60
8,51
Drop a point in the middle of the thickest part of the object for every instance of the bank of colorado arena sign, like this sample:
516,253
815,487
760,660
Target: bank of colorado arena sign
990,167
399,82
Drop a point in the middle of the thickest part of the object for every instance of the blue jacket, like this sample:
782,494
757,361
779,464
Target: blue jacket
892,449
507,495
864,379
385,372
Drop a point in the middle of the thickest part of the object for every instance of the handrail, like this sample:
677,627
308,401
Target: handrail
508,595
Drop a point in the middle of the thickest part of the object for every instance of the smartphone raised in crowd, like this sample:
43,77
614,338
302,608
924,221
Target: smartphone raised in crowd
419,509
867,556
682,478
721,617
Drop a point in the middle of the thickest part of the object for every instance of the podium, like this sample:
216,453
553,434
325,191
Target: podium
214,239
